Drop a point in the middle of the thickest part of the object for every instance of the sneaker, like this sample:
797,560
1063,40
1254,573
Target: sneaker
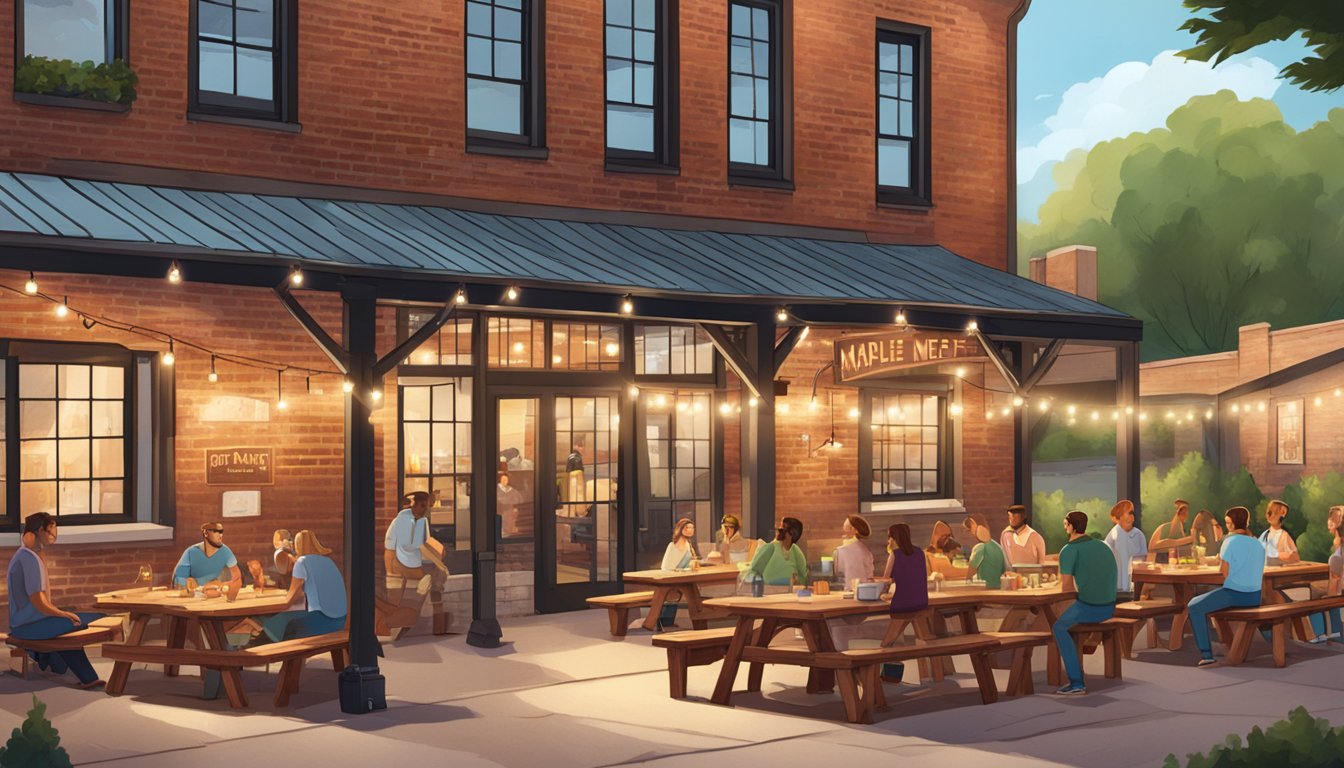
92,685
1207,661
1317,640
1072,689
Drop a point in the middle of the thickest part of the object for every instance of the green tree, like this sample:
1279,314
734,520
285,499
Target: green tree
1225,217
35,744
1234,26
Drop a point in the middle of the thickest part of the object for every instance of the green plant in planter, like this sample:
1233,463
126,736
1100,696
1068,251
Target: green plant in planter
35,744
113,82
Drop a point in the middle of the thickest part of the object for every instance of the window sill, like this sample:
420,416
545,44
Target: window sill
779,185
101,534
904,203
245,122
70,102
657,169
938,506
521,152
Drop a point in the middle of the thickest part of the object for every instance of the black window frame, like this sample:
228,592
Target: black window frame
665,155
652,536
531,143
946,466
920,190
118,31
284,104
778,173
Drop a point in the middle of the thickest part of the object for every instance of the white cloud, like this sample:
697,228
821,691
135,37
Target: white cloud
1042,96
1135,96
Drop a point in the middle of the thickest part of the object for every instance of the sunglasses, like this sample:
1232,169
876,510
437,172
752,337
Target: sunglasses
214,530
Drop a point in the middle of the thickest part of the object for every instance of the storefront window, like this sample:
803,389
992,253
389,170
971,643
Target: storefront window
672,350
677,460
450,346
436,451
515,342
905,444
585,347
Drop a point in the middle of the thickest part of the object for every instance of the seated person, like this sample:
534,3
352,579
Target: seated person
283,559
1021,543
942,548
853,558
782,562
1280,549
681,550
32,616
906,571
1243,569
732,547
318,578
988,560
209,560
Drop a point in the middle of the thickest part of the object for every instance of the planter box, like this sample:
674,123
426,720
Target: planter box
70,102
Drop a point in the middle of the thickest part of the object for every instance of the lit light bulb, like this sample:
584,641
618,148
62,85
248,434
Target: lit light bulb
512,293
1006,410
347,386
1043,406
1115,415
753,402
281,404
961,373
557,359
812,404
376,394
725,408
1318,402
782,315
1143,415
519,346
634,391
460,297
63,308
611,349
660,400
296,277
681,406
1017,401
854,413
168,357
30,286
1129,410
972,327
1071,410
954,410
837,445
174,273
1260,406
627,306
900,317
213,376
1208,414
1096,416
1236,408
989,415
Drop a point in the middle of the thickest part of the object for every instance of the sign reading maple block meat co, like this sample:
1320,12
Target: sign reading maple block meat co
873,354
239,466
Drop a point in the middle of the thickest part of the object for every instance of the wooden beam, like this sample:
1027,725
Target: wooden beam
996,357
736,359
389,361
784,347
1043,365
335,352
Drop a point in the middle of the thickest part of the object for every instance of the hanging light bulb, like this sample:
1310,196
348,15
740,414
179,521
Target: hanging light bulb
972,327
174,273
611,348
725,408
347,386
512,293
954,410
295,277
214,376
660,400
1006,411
376,394
280,403
989,414
627,306
854,413
782,315
1071,410
900,318
1129,410
63,308
960,372
1317,402
1236,408
1018,401
1043,406
168,357
1208,414
1096,415
30,287
460,297
634,391
753,402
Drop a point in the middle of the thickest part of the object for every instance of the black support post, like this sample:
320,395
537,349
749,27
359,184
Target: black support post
1127,428
759,433
362,687
1020,365
484,631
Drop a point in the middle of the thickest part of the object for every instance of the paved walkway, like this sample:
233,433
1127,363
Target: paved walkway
561,693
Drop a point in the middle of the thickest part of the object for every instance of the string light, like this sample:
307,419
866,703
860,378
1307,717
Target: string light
782,315
460,297
347,386
627,306
1072,410
1006,410
168,357
1018,401
295,277
854,412
725,408
954,410
1236,408
174,273
63,308
280,403
30,287
1043,406
214,376
1318,402
634,391
961,373
1096,416
1208,414
900,318
88,322
1129,410
611,348
376,394
512,293
972,327
753,402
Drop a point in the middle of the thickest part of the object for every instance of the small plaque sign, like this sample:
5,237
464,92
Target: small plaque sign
864,356
239,466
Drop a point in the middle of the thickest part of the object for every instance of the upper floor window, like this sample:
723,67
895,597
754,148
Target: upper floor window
505,106
902,114
94,30
243,59
757,92
641,81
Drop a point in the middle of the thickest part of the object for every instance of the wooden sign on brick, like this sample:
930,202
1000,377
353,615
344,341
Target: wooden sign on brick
239,466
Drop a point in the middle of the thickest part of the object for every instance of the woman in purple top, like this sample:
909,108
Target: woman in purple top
907,571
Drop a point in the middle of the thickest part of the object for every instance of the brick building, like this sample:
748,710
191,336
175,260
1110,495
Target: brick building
610,248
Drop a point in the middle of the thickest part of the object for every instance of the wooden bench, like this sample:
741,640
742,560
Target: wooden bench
1137,613
1022,644
1111,633
691,648
100,631
1241,624
856,671
619,607
290,653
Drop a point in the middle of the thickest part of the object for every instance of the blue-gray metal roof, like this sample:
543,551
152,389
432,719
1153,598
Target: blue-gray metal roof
474,245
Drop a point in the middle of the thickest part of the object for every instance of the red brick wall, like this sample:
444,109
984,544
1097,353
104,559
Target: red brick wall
381,101
307,438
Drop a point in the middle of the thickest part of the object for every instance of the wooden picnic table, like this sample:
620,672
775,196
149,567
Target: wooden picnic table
688,583
184,618
1184,581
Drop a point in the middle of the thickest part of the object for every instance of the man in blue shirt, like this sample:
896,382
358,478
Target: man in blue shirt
32,616
406,546
1243,565
210,560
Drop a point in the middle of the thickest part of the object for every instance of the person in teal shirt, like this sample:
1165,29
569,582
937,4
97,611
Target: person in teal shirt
1087,565
987,559
783,558
209,560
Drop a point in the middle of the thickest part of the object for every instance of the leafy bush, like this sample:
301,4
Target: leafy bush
112,82
35,744
1048,511
1299,741
1309,501
1197,481
1081,441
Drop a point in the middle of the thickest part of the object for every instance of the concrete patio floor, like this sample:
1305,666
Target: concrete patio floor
563,694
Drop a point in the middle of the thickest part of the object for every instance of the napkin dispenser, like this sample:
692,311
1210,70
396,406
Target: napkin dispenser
868,590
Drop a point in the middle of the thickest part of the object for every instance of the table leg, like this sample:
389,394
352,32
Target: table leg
1176,638
1054,665
732,658
767,631
700,615
924,631
818,637
122,669
176,636
655,608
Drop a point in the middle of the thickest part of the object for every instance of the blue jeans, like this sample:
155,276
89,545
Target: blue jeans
1078,613
46,628
1318,622
293,624
1217,600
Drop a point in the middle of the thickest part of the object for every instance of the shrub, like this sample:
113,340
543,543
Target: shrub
1048,511
35,744
1309,501
1299,741
113,82
1081,441
1197,481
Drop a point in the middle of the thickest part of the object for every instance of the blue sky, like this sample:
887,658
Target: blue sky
1092,70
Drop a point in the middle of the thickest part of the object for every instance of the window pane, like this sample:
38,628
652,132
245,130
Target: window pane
742,96
760,59
509,60
37,460
508,25
445,452
65,30
37,419
644,84
762,99
108,382
620,82
739,56
630,128
888,57
888,84
741,141
478,19
494,106
478,56
762,143
462,460
37,497
108,497
109,457
256,74
907,118
72,381
886,117
107,419
75,497
644,14
73,460
618,12
618,42
37,381
415,449
216,68
74,418
893,158
741,20
907,59
760,24
256,22
443,404
415,403
907,87
644,46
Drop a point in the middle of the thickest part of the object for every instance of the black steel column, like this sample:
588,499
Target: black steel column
485,631
362,687
1127,428
761,348
1022,352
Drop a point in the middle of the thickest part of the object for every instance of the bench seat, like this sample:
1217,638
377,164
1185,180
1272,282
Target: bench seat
290,653
1241,624
619,607
692,648
1144,613
100,631
1022,644
1112,632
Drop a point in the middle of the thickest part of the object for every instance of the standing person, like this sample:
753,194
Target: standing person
732,547
32,616
323,589
507,501
853,558
1170,537
907,570
782,562
1330,587
209,560
988,560
1243,567
1278,542
1127,543
681,550
1022,543
1088,566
